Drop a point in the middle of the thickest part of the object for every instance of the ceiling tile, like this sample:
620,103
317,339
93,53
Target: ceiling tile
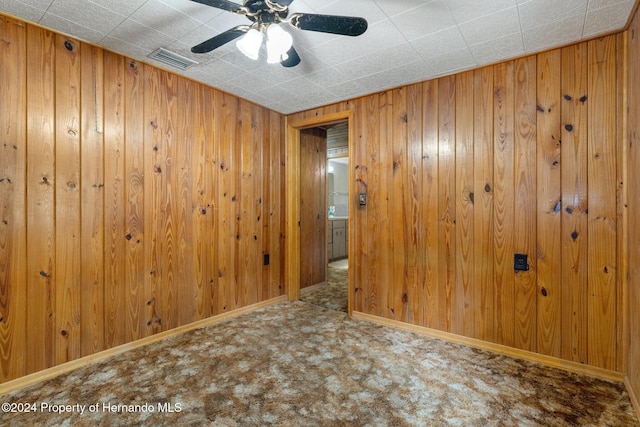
67,27
440,43
121,7
536,13
462,12
429,18
600,21
154,14
406,40
509,46
553,34
25,11
503,23
134,33
86,14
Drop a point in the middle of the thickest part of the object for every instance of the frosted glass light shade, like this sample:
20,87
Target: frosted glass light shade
278,44
250,43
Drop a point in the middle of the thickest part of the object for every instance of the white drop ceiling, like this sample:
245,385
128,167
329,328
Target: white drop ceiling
407,40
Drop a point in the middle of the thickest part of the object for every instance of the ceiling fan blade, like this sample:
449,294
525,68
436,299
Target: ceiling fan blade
343,25
221,4
292,60
220,39
283,2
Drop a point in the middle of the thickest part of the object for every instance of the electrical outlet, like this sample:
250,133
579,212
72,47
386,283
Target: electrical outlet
520,262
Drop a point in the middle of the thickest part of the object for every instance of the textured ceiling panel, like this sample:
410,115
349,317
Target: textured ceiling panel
407,41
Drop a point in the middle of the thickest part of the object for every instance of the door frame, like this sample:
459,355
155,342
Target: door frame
292,202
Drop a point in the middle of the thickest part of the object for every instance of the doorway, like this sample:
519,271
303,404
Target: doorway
296,194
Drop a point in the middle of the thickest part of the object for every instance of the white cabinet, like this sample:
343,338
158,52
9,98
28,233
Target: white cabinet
337,238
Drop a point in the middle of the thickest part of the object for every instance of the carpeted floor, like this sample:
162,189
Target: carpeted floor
333,293
298,364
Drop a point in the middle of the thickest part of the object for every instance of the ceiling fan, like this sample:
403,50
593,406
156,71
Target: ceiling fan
266,16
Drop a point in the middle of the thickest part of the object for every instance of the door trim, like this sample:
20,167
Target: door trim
292,201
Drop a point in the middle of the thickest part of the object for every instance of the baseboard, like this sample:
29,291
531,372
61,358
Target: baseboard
553,362
54,371
310,289
632,395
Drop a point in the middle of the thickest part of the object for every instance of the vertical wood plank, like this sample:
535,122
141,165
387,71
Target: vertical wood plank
114,193
622,126
386,255
313,205
574,203
153,188
504,199
169,221
204,213
41,244
184,299
369,133
602,226
276,216
399,203
414,221
549,205
483,226
92,201
525,198
447,201
13,186
135,158
227,195
465,199
67,200
633,164
359,249
431,287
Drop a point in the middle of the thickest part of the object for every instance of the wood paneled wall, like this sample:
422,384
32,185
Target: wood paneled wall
633,66
466,170
313,207
132,201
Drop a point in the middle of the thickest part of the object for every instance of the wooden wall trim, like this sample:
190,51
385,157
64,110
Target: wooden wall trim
550,361
49,373
292,205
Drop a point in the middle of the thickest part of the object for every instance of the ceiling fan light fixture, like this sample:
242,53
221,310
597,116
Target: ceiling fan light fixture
250,44
278,44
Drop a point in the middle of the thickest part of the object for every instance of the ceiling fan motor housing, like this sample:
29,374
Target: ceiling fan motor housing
263,12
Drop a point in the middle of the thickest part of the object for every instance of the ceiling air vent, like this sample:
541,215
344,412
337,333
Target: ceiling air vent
171,58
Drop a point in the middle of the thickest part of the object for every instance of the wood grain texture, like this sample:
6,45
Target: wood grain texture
430,288
433,246
575,238
67,200
549,204
525,217
447,247
602,227
13,157
92,201
509,178
111,163
41,179
313,207
464,303
504,202
482,281
633,197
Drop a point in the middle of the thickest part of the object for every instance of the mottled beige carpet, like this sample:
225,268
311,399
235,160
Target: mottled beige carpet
298,364
333,293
